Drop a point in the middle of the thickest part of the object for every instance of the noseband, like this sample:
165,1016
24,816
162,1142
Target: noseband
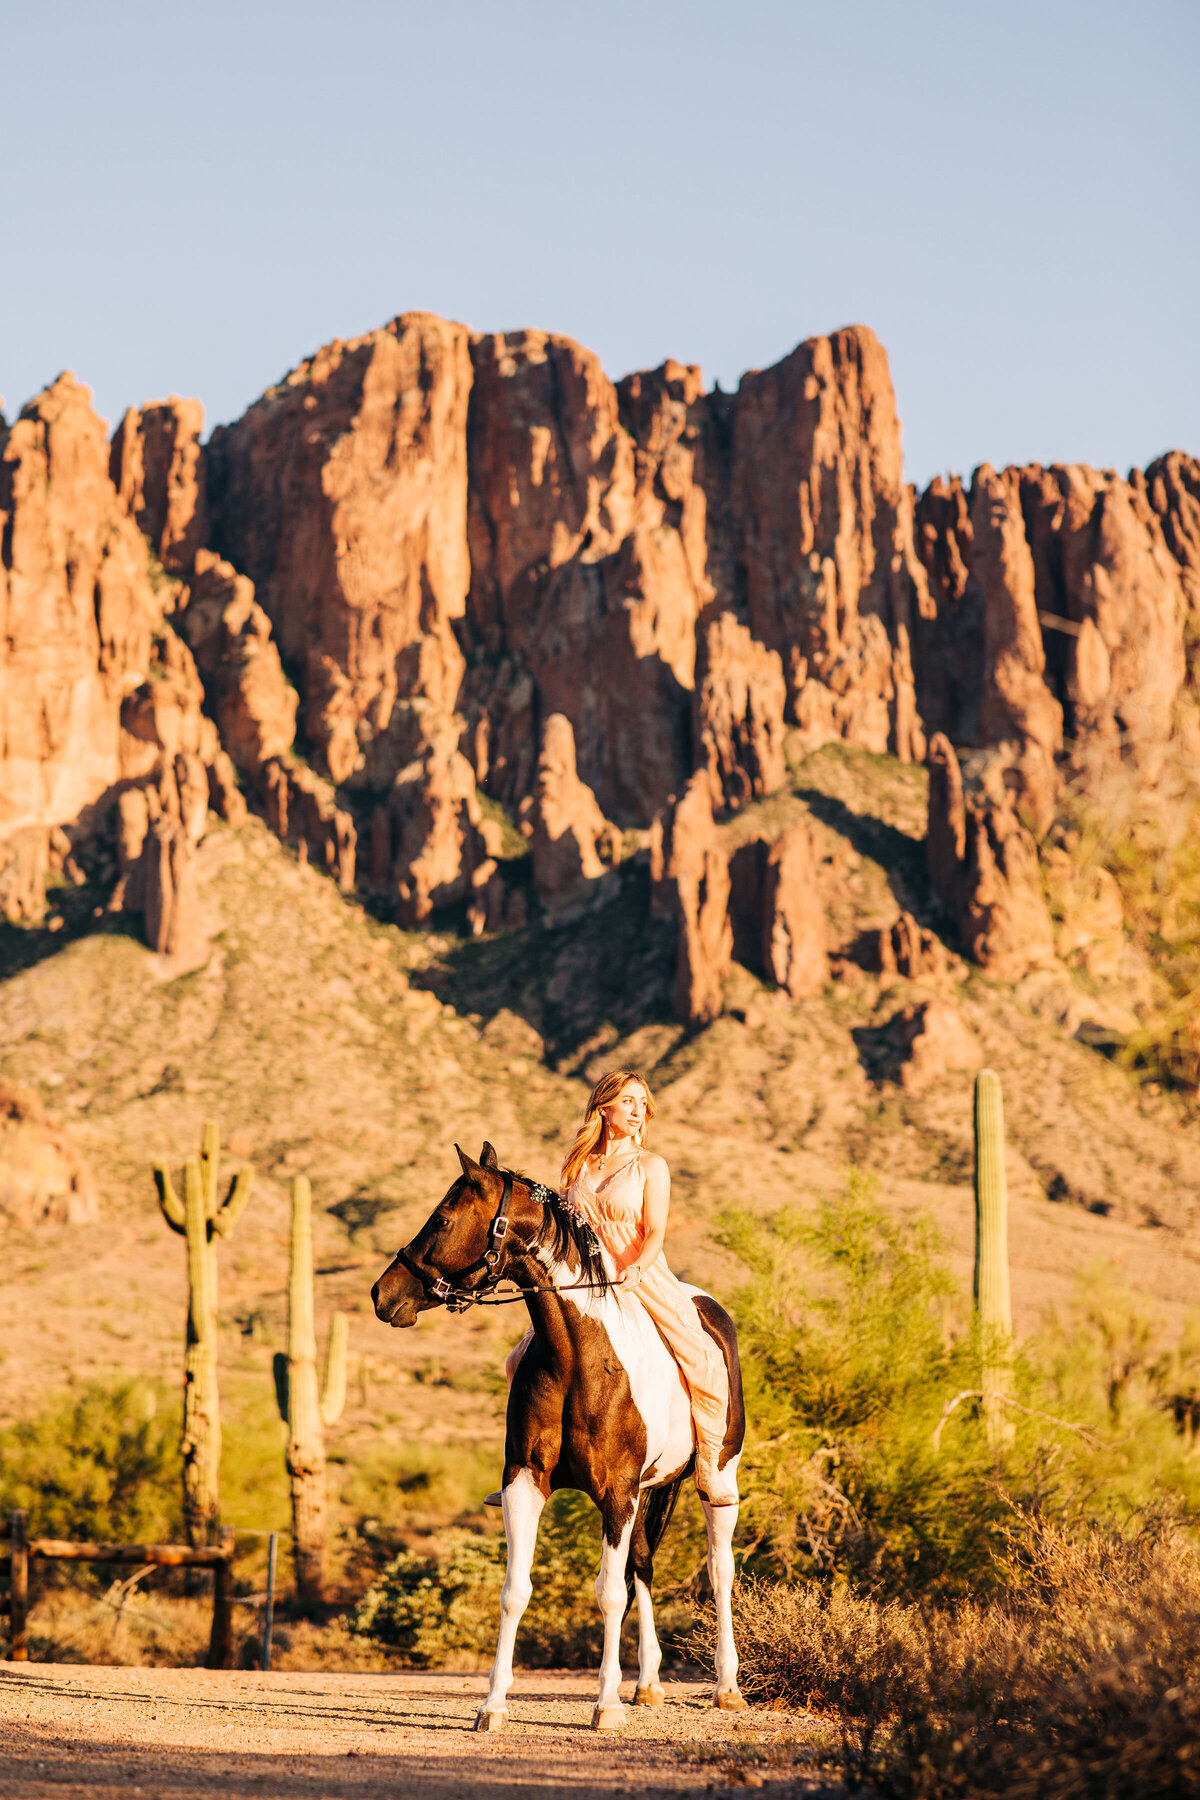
457,1299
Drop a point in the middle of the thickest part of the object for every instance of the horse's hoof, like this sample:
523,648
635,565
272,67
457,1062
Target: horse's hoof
653,1695
730,1701
490,1721
608,1718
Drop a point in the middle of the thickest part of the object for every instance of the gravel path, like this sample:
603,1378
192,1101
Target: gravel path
170,1734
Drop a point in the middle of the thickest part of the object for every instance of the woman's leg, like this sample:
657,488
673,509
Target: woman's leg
703,1369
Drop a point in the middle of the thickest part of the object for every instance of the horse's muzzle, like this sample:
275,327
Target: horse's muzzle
397,1296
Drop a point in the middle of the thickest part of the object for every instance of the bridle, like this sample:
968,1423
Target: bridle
457,1299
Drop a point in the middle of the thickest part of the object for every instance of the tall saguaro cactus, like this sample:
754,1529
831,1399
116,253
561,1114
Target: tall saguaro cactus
306,1413
201,1220
993,1298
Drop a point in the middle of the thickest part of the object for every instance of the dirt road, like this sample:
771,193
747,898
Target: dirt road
171,1734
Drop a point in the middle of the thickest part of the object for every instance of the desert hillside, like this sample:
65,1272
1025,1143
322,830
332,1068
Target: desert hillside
458,724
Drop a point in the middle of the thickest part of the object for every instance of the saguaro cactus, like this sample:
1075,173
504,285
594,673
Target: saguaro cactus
993,1299
200,1219
299,1405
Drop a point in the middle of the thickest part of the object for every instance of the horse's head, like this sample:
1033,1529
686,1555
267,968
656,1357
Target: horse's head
451,1245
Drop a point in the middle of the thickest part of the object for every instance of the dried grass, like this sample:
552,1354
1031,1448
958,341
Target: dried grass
1083,1680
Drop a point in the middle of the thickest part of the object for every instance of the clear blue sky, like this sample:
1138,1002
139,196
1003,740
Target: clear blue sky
197,196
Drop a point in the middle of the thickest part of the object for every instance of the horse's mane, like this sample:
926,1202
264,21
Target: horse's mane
566,1237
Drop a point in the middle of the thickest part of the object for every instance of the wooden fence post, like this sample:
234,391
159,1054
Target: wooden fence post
220,1647
19,1589
269,1606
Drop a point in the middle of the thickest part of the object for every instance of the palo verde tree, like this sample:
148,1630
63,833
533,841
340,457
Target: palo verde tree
305,1412
202,1220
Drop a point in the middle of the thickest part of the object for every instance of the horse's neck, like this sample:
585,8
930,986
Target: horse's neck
560,1307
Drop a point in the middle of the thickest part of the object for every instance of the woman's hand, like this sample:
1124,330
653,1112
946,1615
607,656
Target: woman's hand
631,1277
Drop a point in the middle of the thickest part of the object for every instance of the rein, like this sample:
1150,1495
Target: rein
458,1299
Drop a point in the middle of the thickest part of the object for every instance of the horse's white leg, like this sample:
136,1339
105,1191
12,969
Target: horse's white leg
721,1521
610,1592
523,1503
649,1688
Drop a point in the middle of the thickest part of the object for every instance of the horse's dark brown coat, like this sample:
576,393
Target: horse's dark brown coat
572,1419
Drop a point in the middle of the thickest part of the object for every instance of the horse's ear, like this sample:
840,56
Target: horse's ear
468,1167
487,1158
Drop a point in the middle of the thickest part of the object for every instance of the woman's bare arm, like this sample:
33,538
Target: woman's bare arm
654,1216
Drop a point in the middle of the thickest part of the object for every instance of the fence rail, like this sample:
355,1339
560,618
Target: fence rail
14,1563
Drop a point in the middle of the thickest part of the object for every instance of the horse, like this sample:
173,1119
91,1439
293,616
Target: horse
597,1403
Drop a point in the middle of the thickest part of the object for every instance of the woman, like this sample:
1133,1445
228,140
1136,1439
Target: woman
624,1192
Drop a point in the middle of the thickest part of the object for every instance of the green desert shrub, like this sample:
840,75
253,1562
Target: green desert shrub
867,1459
99,1464
853,1342
1082,1679
443,1604
439,1607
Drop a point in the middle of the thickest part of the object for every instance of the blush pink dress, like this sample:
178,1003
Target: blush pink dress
615,1206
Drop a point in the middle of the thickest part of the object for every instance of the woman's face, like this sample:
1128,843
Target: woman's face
626,1114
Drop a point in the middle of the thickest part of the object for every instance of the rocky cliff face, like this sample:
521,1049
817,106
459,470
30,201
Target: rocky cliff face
467,573
98,695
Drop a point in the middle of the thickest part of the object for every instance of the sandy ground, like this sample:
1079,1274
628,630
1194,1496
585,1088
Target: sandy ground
72,1730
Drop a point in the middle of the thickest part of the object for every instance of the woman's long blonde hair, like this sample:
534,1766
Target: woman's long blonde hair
588,1135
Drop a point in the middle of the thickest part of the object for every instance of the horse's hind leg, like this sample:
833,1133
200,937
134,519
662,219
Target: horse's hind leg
523,1503
649,1688
721,1521
611,1595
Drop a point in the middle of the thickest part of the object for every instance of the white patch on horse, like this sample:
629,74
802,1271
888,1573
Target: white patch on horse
658,1388
523,1503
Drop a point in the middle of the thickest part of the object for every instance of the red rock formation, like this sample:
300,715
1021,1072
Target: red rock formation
824,531
78,614
572,842
428,834
982,666
1172,487
96,689
450,540
1016,706
43,1178
302,810
794,938
930,1040
1054,593
1104,569
230,636
690,881
911,950
983,865
155,466
740,696
587,563
342,494
170,901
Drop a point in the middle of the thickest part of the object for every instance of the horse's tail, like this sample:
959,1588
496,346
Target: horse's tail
654,1515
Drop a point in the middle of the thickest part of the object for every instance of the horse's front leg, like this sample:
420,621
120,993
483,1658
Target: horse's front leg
609,1714
523,1503
720,1521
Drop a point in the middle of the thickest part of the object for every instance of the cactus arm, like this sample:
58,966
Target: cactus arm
334,1398
227,1216
210,1164
169,1203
